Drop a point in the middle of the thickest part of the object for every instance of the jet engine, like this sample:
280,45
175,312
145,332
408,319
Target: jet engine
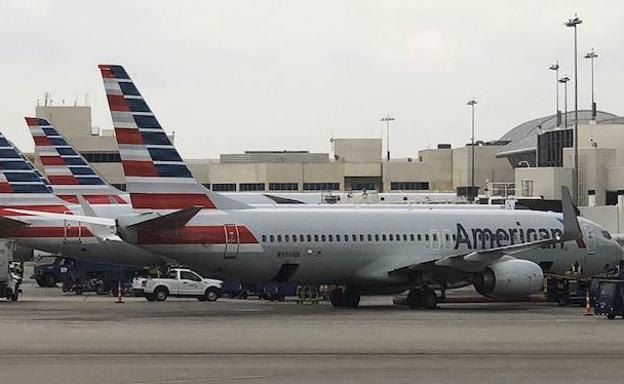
510,278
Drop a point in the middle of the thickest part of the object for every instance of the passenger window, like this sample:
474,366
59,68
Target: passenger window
397,237
316,238
331,238
411,237
419,237
391,237
435,237
323,238
346,237
404,237
354,237
279,238
426,237
294,238
301,238
447,237
370,237
376,237
383,237
271,238
337,237
286,238
454,237
264,238
362,237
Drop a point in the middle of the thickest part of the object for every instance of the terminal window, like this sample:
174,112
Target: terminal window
283,186
227,187
321,186
409,185
251,187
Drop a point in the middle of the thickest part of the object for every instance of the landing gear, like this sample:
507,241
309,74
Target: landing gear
347,297
422,298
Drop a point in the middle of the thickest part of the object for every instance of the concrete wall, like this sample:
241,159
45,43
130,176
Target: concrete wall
358,150
487,166
74,121
546,181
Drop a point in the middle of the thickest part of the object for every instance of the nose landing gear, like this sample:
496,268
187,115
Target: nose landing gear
345,297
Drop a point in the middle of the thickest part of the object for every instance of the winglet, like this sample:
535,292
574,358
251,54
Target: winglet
571,227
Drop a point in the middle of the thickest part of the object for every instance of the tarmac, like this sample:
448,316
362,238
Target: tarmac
51,337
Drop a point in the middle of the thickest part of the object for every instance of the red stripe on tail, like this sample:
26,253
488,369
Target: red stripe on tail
170,200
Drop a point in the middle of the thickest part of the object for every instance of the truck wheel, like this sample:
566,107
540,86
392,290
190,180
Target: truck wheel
78,290
150,297
50,280
211,294
611,316
161,294
41,283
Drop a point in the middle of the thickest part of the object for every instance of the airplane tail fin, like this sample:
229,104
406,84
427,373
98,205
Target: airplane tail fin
69,173
156,175
571,227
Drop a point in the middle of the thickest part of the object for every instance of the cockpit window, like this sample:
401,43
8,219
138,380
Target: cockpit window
606,234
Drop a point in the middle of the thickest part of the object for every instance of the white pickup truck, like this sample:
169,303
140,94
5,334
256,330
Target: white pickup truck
180,282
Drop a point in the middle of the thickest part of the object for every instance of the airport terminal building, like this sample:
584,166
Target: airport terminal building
352,164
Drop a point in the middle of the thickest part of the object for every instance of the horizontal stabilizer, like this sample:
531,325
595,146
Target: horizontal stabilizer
62,216
173,220
7,223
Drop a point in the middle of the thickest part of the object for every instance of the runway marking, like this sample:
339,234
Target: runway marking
199,380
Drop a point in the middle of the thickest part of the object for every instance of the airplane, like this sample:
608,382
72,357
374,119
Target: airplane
503,253
23,187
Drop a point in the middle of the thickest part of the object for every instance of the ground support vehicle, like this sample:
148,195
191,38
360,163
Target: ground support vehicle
179,282
11,274
566,291
607,297
80,276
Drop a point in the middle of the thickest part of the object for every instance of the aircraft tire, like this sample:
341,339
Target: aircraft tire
429,299
414,298
337,298
351,297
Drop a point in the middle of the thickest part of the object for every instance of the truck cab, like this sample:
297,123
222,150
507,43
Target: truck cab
179,282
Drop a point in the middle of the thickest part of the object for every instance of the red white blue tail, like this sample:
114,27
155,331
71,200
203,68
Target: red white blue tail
156,175
70,175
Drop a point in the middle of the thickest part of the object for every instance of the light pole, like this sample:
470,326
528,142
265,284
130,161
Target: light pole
592,55
564,80
472,104
572,23
388,119
555,67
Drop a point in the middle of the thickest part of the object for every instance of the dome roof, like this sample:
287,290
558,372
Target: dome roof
523,137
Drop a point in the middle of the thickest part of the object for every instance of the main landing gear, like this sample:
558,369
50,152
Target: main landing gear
345,297
422,298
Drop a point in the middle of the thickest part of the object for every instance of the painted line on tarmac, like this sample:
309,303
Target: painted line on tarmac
199,380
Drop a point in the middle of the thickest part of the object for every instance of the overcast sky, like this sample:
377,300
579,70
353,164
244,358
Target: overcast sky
229,76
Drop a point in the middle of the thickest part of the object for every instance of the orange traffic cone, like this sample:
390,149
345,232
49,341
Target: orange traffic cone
119,296
588,308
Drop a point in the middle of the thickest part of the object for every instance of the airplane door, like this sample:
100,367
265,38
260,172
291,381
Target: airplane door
231,241
591,242
72,231
435,240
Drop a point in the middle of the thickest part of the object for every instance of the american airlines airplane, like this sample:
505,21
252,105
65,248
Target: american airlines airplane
501,252
362,250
